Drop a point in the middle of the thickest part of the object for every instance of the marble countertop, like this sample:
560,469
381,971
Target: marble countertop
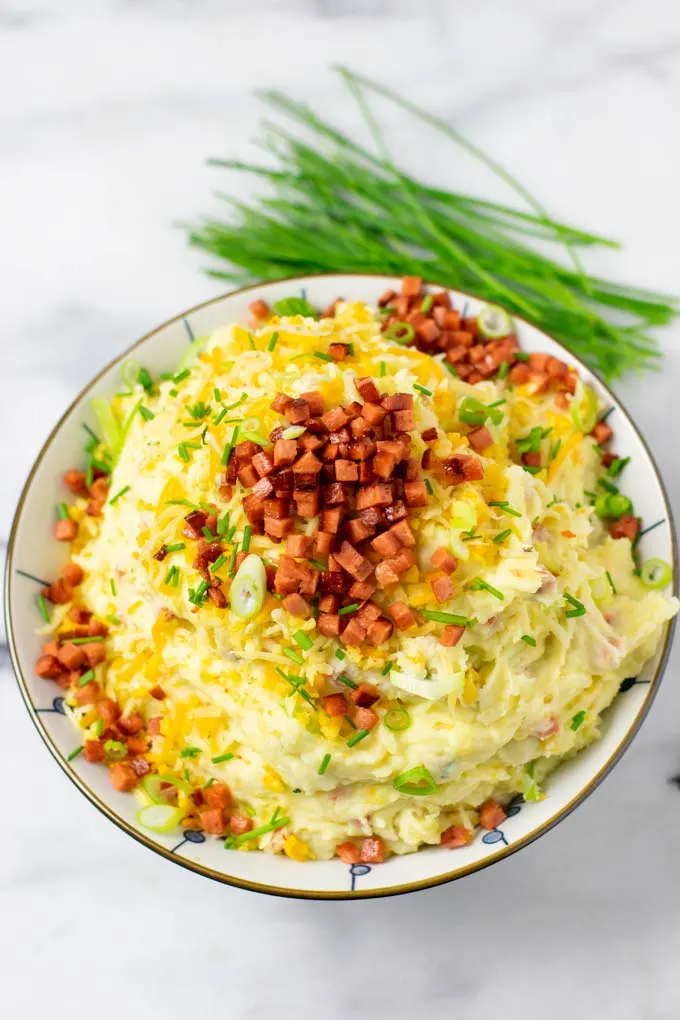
107,110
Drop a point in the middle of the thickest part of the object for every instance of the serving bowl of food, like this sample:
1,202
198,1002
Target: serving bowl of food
342,596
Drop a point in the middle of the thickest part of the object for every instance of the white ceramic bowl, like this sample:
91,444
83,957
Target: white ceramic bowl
32,550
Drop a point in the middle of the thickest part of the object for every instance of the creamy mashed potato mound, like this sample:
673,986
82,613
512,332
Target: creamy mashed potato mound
490,717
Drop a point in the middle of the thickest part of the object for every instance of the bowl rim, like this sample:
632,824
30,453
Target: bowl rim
428,883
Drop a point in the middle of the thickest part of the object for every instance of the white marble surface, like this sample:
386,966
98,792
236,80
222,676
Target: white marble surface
107,109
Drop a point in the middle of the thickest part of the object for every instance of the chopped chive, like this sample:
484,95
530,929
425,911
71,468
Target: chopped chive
609,486
62,511
93,435
611,583
198,595
350,349
165,376
209,783
521,356
339,654
114,620
86,640
479,584
272,342
383,369
556,449
112,584
247,532
32,577
428,301
230,445
173,393
74,754
42,608
527,638
293,656
219,562
146,414
578,610
504,505
182,502
218,418
208,533
325,762
121,492
145,379
349,609
387,667
86,678
347,682
216,395
503,369
232,562
577,720
356,737
232,842
183,452
451,368
176,547
349,722
428,486
438,617
222,525
318,564
189,752
617,466
181,376
99,727
172,576
303,640
470,536
251,342
422,389
501,536
219,758
322,356
497,403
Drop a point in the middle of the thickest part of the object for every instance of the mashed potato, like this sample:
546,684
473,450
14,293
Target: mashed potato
555,616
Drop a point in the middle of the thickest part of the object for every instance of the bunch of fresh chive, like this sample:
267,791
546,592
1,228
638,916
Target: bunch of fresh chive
334,206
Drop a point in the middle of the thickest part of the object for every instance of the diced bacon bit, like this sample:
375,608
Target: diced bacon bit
429,435
411,286
123,777
480,438
259,310
48,667
367,390
218,795
348,852
75,481
299,546
217,596
365,718
73,574
158,693
329,624
65,530
602,433
58,592
608,459
140,767
415,493
354,633
531,458
353,562
365,696
280,402
94,750
379,631
263,464
132,723
88,694
296,411
239,824
455,836
338,352
451,635
491,814
323,543
402,615
296,605
108,711
71,656
213,820
443,588
95,652
372,850
626,527
386,544
285,452
335,704
444,560
154,725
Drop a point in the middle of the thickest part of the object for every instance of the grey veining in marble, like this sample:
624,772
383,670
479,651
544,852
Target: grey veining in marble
107,110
